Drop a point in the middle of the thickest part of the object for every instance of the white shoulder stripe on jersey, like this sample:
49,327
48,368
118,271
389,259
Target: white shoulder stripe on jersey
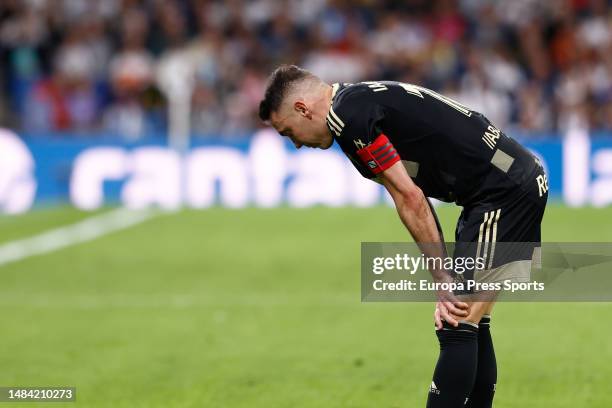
335,117
333,127
334,124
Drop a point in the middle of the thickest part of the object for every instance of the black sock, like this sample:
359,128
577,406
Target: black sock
486,376
455,371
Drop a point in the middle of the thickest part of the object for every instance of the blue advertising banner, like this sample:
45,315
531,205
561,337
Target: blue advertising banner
263,171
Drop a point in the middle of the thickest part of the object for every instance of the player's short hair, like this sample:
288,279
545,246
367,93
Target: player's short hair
279,82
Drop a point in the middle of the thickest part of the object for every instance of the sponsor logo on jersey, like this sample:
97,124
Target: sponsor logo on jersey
359,143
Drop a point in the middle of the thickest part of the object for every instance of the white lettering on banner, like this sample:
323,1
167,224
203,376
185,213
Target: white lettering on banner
319,178
269,167
601,189
576,172
17,182
267,175
362,192
578,189
223,165
155,174
91,169
271,164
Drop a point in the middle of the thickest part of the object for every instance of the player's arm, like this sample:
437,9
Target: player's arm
440,306
361,115
381,158
414,211
417,215
412,206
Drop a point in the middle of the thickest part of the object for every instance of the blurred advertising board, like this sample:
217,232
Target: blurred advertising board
263,171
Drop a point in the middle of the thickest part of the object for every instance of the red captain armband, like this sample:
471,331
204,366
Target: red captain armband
379,155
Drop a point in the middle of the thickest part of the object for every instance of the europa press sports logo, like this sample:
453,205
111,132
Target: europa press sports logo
17,182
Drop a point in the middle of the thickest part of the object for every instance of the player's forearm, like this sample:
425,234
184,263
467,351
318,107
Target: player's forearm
416,214
417,217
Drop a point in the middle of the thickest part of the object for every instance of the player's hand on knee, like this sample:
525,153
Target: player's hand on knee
452,304
442,314
449,309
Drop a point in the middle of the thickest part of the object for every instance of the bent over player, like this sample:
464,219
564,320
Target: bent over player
421,144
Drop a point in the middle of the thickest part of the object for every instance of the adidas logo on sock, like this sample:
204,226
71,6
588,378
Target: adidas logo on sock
433,389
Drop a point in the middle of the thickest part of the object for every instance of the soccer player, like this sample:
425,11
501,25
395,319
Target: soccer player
421,144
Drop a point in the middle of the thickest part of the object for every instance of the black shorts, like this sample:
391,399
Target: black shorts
507,228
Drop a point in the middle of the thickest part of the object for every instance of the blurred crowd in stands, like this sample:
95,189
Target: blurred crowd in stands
87,66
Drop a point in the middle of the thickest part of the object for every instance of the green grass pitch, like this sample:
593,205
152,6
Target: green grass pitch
261,308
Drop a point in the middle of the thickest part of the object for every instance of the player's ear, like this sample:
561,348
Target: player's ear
301,108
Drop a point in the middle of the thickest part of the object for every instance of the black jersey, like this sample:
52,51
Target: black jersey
451,152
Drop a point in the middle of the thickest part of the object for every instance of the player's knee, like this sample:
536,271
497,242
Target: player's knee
477,310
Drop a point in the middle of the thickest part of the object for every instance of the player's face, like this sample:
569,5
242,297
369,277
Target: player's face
302,128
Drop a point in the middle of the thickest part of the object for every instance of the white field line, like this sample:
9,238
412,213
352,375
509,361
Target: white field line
62,237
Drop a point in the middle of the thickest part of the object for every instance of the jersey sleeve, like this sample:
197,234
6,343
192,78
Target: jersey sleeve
362,135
